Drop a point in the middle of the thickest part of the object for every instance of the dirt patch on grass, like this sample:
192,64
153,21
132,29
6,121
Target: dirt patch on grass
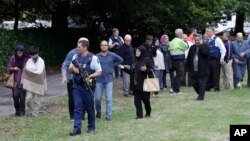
54,110
118,88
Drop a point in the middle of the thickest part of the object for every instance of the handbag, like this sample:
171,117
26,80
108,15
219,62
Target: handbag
151,84
10,82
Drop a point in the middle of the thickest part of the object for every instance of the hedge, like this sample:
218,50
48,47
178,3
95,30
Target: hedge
53,44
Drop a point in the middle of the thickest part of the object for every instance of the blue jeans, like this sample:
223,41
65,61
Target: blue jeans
108,94
159,75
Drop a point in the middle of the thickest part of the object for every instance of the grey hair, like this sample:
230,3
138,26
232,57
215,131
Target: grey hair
239,34
127,36
82,39
178,31
84,43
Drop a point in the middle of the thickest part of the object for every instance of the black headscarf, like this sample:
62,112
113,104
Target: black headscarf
144,53
140,61
19,61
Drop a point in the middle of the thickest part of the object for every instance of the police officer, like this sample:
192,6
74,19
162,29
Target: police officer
82,93
69,78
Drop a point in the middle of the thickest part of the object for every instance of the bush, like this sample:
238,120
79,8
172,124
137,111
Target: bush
53,44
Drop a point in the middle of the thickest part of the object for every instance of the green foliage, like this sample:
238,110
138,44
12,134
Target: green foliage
6,41
142,17
53,44
173,118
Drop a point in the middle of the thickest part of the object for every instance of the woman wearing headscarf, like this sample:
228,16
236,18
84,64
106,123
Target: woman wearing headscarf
142,67
16,65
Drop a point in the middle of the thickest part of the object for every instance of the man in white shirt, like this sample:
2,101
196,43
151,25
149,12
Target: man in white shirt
217,54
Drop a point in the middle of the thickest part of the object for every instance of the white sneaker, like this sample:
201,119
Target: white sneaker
238,85
171,91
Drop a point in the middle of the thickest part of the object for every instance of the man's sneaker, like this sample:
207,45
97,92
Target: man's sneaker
107,119
74,132
91,131
163,89
171,91
238,85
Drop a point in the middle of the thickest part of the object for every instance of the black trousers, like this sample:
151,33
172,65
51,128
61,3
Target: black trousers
178,66
171,74
214,75
199,85
186,80
71,100
117,72
19,95
139,97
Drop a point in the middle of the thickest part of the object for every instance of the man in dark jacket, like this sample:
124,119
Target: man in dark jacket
126,52
149,46
197,63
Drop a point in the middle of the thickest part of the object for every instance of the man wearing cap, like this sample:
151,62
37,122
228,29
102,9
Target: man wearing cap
69,78
83,92
241,52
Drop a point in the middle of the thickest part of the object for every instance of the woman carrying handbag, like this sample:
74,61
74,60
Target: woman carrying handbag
15,66
142,67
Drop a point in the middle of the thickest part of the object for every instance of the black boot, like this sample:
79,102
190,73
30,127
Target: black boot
74,132
98,115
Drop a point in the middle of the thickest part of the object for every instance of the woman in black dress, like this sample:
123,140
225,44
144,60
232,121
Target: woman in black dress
142,67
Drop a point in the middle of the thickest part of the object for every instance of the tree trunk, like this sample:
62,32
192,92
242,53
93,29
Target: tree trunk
60,15
17,14
239,24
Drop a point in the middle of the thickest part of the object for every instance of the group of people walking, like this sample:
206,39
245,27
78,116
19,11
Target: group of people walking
100,68
29,73
89,76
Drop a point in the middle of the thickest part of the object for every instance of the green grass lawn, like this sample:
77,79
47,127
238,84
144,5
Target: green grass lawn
174,118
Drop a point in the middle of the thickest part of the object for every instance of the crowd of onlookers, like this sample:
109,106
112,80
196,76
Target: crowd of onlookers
227,59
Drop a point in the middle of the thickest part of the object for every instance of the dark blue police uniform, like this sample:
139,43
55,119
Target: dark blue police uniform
83,97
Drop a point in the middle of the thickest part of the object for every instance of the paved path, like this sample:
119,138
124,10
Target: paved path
54,89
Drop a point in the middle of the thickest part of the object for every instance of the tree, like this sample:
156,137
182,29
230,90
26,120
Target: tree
16,13
241,9
131,16
58,10
26,10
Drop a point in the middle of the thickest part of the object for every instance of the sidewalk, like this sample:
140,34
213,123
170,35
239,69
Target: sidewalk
54,89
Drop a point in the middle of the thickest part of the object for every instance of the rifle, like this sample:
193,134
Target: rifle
82,77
